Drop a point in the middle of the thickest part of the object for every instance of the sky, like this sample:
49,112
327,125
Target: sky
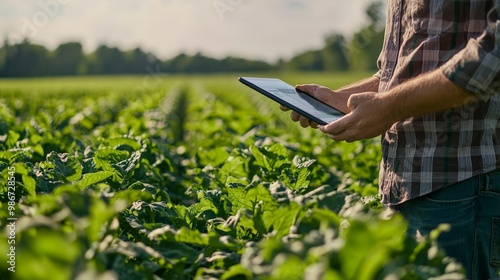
255,29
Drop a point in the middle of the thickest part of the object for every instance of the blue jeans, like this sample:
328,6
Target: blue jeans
472,208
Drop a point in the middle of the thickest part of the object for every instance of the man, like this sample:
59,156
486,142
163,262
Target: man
436,103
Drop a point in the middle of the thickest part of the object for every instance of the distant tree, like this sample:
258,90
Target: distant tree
331,58
25,60
3,57
360,53
66,59
366,44
138,61
335,53
243,65
307,61
200,63
376,14
177,64
106,60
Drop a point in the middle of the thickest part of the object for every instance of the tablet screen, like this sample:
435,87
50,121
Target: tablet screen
288,96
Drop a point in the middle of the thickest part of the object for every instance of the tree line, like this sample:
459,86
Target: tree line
26,59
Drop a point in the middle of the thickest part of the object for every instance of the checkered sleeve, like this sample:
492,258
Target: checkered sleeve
477,67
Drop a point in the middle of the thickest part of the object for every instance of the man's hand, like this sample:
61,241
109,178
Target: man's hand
322,93
371,114
368,113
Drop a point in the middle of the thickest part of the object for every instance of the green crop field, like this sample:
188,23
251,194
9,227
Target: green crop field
190,177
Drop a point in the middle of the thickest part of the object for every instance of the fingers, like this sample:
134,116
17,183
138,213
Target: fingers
343,137
341,129
296,117
308,88
312,90
334,131
284,109
334,128
303,121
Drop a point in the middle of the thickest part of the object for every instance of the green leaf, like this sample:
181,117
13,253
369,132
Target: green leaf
235,167
283,218
29,185
237,272
90,179
48,253
35,138
100,213
260,195
214,157
260,158
66,168
318,219
38,149
292,268
106,157
237,198
179,252
194,237
369,245
120,142
240,198
269,157
12,138
302,179
278,150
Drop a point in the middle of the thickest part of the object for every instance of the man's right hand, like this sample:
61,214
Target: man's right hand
322,93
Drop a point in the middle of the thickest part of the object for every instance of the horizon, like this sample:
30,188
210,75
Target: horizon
217,28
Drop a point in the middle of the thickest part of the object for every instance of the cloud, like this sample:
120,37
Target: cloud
253,28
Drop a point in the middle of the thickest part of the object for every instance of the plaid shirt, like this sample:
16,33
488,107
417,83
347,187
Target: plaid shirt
462,39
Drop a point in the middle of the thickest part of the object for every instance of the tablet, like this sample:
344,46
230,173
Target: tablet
300,102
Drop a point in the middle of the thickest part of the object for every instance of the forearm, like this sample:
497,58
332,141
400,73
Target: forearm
432,92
